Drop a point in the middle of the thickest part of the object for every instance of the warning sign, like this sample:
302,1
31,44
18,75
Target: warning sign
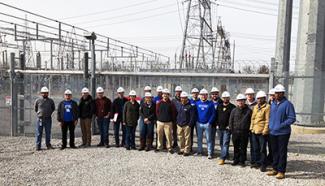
8,100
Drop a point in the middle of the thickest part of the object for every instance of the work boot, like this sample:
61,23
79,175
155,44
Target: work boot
142,144
221,162
235,163
49,147
263,168
149,144
272,173
280,175
186,154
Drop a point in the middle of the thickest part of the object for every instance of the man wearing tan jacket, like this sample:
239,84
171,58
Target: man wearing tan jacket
260,129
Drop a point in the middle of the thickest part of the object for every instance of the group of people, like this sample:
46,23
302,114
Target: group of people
262,120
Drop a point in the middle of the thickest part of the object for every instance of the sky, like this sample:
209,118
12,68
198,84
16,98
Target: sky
158,24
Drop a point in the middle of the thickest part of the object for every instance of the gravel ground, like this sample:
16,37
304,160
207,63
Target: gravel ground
22,165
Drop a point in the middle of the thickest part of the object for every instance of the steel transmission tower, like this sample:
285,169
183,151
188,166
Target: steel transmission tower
203,46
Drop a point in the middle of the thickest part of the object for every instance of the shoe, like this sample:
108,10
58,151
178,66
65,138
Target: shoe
62,148
133,148
171,151
186,154
49,147
272,173
127,148
38,149
221,162
210,157
180,153
263,169
100,145
82,146
88,145
147,149
242,164
141,149
107,146
122,145
73,147
235,163
280,175
117,145
254,165
157,150
198,154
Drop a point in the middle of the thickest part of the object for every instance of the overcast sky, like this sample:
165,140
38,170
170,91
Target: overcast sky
158,24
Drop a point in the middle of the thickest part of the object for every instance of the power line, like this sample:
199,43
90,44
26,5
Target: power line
109,10
125,15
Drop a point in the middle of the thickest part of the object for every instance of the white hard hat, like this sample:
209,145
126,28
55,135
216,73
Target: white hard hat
120,90
184,95
44,90
160,89
132,93
85,90
225,94
147,94
165,91
260,94
214,89
99,90
68,92
178,88
279,88
203,91
195,90
147,88
271,91
240,97
249,91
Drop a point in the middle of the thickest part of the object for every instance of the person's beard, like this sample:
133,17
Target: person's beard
45,96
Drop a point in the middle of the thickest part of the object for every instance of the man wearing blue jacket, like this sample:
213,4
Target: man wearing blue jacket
186,119
282,115
205,119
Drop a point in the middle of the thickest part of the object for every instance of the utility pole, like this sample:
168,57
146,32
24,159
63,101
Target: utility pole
233,57
14,96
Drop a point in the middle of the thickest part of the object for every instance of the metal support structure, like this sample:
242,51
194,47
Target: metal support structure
14,96
85,67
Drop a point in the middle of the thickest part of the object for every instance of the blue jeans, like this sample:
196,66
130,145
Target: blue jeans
103,125
213,138
279,145
259,148
117,125
130,136
40,124
224,137
200,129
146,132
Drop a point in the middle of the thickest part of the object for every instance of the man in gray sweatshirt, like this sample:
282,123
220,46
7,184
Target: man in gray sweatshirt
44,107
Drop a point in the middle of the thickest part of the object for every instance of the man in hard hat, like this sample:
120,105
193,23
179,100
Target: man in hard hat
117,115
142,126
282,116
186,118
103,111
130,119
205,118
239,123
222,124
44,108
166,115
157,98
251,102
195,98
259,129
271,96
215,98
68,113
176,100
86,112
148,113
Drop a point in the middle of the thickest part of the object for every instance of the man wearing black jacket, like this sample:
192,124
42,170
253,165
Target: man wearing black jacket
186,118
86,112
222,124
117,115
68,118
239,123
148,113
